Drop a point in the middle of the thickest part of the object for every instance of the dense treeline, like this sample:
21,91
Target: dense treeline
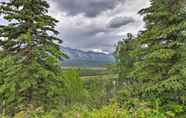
151,66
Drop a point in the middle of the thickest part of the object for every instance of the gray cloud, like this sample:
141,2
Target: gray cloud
118,22
89,8
88,37
103,40
96,24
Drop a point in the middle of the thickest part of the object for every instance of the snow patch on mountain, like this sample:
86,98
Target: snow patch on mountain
87,58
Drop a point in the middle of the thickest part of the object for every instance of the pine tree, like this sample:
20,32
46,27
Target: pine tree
122,55
160,52
30,56
128,86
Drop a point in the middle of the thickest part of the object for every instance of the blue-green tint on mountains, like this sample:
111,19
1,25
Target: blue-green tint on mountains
86,59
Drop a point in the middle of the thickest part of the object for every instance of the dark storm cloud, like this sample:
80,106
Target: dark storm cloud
120,21
89,8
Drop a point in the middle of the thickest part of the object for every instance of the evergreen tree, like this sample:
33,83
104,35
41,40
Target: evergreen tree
160,51
157,65
127,85
30,56
123,57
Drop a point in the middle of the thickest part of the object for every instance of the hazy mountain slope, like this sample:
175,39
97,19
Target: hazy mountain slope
82,58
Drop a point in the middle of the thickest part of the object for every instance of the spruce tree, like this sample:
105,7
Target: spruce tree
160,51
128,86
124,60
30,56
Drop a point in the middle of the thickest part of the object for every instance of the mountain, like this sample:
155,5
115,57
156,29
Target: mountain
86,59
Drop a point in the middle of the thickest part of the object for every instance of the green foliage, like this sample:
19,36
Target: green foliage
115,111
30,71
88,71
151,68
101,90
73,88
92,71
125,62
152,65
158,65
123,57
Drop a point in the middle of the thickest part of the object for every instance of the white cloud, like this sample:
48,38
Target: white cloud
99,51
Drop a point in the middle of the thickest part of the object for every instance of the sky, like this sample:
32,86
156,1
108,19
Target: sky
96,24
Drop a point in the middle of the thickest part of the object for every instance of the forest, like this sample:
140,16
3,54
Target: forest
148,79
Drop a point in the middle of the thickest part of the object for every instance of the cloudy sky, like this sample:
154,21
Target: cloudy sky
96,24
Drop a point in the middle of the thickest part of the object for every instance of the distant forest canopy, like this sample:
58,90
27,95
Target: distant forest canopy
147,81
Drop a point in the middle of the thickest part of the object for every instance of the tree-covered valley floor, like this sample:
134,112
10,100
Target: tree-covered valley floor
93,92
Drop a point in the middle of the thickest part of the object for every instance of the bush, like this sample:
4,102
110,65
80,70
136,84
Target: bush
115,111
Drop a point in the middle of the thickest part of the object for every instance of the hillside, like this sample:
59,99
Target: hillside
86,59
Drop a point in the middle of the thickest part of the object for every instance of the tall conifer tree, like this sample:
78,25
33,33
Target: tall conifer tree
30,55
161,64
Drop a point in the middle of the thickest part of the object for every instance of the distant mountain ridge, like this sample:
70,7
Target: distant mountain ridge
86,58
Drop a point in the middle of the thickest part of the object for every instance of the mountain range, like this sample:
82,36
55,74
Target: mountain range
81,58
